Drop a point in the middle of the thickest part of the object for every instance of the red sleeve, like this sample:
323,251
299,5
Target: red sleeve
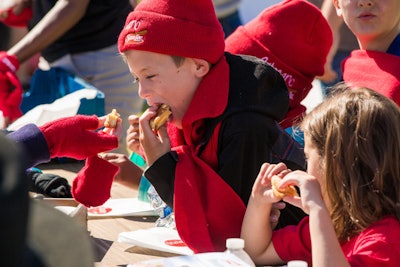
377,246
294,242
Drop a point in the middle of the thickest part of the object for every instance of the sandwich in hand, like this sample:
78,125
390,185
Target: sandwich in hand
112,119
163,113
286,191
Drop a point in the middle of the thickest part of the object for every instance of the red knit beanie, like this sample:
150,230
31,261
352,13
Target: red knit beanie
292,36
187,28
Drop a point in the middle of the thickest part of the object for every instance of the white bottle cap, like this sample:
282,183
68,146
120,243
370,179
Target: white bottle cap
297,264
234,243
1,119
6,4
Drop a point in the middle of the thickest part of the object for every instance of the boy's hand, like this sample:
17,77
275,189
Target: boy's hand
132,137
129,173
154,144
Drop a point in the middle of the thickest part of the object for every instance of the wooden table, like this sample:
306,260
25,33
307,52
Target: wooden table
104,231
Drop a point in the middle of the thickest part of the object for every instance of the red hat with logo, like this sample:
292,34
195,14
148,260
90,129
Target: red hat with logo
174,27
292,36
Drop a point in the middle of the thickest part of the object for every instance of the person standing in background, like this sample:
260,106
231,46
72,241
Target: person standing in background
227,12
81,37
344,42
376,64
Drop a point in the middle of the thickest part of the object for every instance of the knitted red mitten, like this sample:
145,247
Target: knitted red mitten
92,185
10,96
14,98
20,20
8,63
75,137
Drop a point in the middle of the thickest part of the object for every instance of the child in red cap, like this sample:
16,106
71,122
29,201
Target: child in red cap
223,126
293,37
376,24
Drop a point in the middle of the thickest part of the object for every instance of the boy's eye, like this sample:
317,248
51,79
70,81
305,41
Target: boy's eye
148,77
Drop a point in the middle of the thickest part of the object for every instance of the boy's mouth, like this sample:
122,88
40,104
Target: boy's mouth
366,16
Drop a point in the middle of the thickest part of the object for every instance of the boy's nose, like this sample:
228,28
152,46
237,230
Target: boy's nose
142,91
365,3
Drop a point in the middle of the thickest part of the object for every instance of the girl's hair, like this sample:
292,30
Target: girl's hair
357,134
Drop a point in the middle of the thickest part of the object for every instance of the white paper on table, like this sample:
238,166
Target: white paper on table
158,238
120,207
209,259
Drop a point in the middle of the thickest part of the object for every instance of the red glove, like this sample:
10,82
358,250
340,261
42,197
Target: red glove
10,96
8,63
13,20
92,185
10,88
75,137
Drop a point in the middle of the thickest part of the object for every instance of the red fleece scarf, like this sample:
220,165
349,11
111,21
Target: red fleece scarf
207,210
377,70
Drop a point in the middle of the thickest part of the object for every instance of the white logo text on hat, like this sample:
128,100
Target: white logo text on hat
289,79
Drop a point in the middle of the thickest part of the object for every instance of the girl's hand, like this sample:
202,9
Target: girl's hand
262,191
154,144
132,134
310,190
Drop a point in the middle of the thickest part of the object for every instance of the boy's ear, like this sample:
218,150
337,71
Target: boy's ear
202,67
338,8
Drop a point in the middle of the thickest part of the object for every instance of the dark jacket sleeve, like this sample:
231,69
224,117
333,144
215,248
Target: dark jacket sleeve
162,176
33,142
243,147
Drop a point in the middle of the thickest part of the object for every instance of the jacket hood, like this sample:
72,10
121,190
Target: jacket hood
256,86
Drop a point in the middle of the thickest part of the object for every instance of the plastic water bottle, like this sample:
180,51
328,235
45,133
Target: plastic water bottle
236,247
147,193
297,264
165,212
1,118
